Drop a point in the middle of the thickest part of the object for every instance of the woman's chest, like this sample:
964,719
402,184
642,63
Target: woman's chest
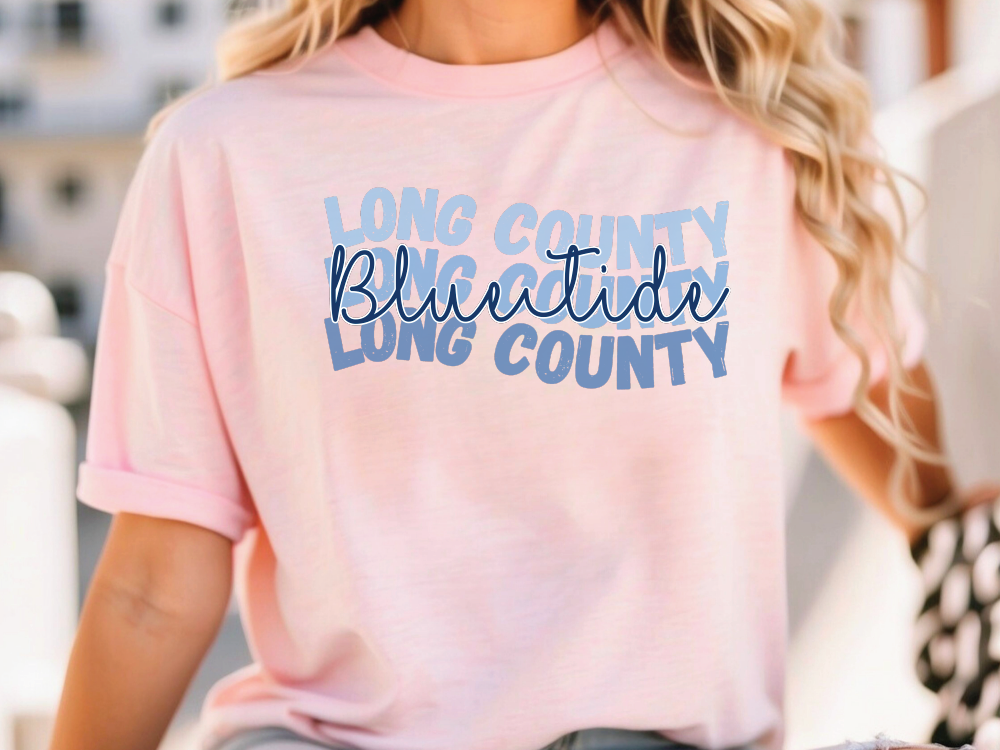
675,282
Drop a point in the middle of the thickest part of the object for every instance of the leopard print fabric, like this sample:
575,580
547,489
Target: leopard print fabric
958,628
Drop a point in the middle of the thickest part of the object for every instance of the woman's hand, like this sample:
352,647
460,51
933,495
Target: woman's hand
153,608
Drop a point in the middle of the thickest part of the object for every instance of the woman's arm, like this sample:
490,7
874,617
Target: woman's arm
154,607
864,460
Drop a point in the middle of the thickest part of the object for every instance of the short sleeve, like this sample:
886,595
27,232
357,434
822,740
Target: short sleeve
157,443
822,372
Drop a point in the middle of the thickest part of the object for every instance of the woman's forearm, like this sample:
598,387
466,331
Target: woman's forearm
864,459
151,613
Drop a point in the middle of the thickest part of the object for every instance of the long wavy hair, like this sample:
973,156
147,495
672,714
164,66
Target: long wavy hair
773,62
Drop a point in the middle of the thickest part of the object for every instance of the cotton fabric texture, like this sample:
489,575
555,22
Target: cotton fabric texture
433,550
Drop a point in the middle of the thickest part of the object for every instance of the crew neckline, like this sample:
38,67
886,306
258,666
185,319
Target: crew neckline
402,69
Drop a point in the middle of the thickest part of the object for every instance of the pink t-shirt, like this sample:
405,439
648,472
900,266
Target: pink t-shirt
473,534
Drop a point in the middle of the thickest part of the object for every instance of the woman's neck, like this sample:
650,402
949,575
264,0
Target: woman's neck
483,32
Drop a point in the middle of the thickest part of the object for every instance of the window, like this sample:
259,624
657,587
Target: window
3,215
69,190
169,89
70,23
853,28
66,294
171,14
59,25
13,104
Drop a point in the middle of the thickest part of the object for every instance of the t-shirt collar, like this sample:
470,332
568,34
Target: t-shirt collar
402,69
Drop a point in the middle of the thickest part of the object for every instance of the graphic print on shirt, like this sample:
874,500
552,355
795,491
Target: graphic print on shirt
439,325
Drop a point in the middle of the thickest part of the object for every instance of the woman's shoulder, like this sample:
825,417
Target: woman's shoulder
683,98
259,104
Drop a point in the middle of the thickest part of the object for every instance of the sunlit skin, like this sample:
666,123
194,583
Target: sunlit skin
161,588
863,459
485,32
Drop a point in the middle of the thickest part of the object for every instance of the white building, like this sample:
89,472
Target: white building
79,79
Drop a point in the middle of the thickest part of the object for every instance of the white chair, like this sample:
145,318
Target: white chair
38,549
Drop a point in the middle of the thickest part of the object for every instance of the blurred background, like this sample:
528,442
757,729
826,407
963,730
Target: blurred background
78,81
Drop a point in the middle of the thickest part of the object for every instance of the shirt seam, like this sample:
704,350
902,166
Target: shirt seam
147,296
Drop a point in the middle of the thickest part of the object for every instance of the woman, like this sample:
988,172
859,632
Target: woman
502,530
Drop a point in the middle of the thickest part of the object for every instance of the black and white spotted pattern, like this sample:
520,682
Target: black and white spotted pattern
958,629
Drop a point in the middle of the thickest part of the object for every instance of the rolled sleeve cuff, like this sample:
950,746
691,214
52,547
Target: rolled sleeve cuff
115,490
832,394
